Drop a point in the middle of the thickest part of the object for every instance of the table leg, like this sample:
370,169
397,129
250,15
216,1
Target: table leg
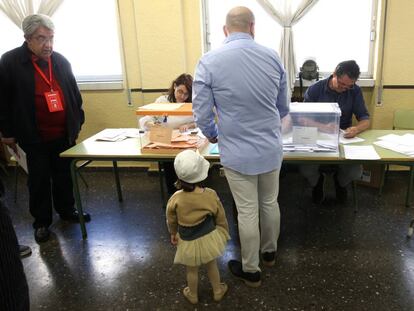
161,178
355,196
118,184
76,194
410,187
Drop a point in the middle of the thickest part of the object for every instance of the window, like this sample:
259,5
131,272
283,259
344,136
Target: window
332,31
267,30
85,35
11,38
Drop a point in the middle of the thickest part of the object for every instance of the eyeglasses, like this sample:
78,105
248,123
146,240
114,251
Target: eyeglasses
182,93
344,85
42,39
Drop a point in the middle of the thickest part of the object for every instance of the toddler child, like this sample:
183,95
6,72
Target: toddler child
197,224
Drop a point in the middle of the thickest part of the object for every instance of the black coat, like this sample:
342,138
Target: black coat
17,96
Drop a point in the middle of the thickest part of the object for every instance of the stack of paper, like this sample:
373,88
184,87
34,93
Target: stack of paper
322,145
308,139
399,143
117,134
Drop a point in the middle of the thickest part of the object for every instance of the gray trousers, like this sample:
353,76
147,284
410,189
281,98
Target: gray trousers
258,214
345,173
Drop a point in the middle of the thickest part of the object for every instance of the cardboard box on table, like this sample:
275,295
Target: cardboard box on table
169,141
162,140
164,110
311,127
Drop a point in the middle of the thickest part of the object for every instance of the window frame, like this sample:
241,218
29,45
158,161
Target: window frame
366,79
91,81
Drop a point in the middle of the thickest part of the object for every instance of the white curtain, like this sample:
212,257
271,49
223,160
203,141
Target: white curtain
17,10
287,13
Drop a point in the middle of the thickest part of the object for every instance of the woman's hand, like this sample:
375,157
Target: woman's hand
148,125
184,128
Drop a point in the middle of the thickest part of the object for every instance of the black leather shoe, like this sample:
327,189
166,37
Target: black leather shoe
24,251
318,192
269,259
251,279
41,234
74,217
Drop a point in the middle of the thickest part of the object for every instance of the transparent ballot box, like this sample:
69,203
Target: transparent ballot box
311,127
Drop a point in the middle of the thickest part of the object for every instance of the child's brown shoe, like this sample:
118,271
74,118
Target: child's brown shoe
190,296
223,290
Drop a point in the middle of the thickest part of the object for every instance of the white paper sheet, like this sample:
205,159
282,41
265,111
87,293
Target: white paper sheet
399,143
344,141
404,149
361,153
304,135
287,140
118,134
389,137
406,139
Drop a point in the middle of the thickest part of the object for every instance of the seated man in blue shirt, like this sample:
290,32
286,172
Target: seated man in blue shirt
340,88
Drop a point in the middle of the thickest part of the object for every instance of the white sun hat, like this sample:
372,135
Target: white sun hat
191,167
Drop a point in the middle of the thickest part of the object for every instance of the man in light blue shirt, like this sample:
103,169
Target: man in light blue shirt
244,84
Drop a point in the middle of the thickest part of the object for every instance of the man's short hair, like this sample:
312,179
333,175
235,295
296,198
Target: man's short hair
34,21
349,68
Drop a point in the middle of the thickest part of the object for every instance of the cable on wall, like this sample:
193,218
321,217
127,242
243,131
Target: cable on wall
380,86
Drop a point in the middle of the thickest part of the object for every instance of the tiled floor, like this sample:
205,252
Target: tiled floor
329,257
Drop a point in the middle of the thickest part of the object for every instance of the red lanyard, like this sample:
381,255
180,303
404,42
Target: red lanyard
50,82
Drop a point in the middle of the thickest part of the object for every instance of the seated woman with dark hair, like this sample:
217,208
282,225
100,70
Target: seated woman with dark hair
179,92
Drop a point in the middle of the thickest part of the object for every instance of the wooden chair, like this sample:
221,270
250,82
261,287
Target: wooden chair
403,120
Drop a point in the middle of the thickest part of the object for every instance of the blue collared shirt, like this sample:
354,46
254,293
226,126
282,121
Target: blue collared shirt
350,102
245,84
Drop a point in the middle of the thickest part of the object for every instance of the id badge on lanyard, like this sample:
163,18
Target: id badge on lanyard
53,100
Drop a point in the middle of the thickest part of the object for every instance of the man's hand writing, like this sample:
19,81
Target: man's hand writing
351,132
